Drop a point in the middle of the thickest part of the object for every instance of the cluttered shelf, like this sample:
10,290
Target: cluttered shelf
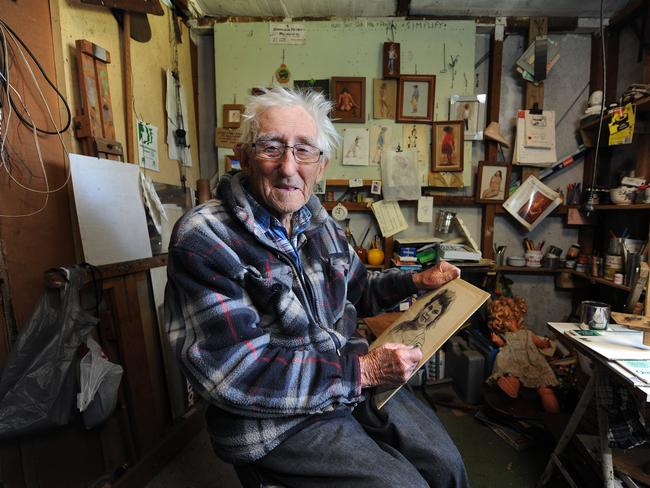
559,210
527,270
596,279
642,105
634,206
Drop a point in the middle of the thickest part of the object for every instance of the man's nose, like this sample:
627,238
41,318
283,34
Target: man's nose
288,164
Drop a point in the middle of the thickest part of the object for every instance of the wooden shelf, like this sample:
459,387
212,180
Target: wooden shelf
527,270
559,210
595,279
642,105
351,206
636,206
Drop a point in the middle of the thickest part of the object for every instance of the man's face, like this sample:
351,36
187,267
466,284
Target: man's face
284,186
430,312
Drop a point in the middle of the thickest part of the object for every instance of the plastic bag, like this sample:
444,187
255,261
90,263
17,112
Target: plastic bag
38,383
100,380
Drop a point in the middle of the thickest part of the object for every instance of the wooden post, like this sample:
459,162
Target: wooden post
534,94
128,88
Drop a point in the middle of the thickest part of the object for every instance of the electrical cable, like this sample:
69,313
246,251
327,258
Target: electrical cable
22,118
589,204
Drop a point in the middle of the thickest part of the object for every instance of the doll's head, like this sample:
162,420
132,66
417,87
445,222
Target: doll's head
507,314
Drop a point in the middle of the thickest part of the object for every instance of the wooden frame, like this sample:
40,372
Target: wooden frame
470,109
232,113
391,60
486,176
412,105
349,97
447,146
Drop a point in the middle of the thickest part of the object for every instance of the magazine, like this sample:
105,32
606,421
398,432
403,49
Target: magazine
532,202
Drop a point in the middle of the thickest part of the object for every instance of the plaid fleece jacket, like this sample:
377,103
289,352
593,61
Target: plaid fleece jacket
269,347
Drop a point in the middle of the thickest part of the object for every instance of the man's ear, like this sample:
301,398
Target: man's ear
241,155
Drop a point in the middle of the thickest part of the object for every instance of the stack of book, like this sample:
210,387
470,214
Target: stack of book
407,252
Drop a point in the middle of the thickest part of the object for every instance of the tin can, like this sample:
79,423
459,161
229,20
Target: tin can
613,264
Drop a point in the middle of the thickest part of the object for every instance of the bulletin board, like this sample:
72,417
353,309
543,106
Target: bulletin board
245,58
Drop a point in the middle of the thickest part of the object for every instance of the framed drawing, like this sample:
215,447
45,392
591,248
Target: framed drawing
349,97
492,182
415,97
430,322
447,146
319,86
471,110
232,115
384,97
391,59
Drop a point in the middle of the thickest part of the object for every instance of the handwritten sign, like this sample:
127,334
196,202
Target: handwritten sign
286,33
226,137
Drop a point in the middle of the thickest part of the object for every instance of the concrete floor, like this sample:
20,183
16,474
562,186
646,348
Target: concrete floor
489,460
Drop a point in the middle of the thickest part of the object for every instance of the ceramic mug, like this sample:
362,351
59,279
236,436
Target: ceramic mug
533,259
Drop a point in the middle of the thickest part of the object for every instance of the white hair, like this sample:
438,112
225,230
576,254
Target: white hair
311,101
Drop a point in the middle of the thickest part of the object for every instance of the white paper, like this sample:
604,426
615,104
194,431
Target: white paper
171,105
380,141
174,212
148,146
539,129
425,209
355,147
110,212
531,156
286,33
418,137
389,217
355,182
399,173
532,202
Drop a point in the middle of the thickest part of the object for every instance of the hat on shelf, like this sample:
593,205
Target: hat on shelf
493,132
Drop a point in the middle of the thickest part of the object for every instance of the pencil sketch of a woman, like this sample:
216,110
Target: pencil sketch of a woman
413,332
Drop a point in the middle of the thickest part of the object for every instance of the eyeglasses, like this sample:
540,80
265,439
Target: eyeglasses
274,150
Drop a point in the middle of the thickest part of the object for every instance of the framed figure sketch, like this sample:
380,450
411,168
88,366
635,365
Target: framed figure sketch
415,97
492,182
447,146
384,96
430,322
348,95
232,113
391,60
471,110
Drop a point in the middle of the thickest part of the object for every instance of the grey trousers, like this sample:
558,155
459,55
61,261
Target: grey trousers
402,445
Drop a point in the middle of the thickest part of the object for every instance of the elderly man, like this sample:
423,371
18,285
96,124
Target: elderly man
262,304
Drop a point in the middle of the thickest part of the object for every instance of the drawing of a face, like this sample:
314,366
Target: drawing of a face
430,312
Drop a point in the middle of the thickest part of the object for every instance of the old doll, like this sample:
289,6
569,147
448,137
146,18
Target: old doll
522,356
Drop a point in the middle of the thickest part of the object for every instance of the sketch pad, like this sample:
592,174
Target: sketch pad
452,304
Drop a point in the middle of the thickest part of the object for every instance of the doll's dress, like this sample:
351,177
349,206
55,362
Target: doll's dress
521,358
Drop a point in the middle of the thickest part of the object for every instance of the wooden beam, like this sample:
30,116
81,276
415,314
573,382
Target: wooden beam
403,8
494,94
128,88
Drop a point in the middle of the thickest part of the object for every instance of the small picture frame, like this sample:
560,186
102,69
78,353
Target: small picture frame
415,98
319,86
232,115
391,60
349,97
492,182
447,146
471,110
384,98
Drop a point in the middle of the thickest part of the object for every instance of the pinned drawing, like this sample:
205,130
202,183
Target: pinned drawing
430,322
355,147
380,139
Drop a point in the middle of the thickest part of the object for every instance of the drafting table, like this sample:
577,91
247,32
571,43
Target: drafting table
603,351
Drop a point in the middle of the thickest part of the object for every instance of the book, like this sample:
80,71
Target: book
458,252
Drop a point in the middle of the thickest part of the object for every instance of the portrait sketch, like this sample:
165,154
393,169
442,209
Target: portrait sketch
380,141
415,97
355,147
431,321
418,137
349,98
492,182
391,60
447,148
471,110
384,96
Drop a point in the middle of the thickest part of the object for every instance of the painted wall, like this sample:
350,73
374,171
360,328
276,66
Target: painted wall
148,61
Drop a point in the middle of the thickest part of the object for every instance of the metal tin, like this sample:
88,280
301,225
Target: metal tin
595,315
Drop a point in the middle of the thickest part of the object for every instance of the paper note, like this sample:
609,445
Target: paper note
425,209
286,33
226,137
355,183
148,145
540,129
389,217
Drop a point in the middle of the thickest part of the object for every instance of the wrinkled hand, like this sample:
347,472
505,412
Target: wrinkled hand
436,276
391,364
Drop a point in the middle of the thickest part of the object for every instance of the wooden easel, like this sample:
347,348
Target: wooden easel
94,122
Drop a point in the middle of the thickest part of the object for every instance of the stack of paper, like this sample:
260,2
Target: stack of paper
535,141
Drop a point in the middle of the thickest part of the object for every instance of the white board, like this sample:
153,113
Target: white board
109,209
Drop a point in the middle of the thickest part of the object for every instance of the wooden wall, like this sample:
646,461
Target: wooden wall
32,244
